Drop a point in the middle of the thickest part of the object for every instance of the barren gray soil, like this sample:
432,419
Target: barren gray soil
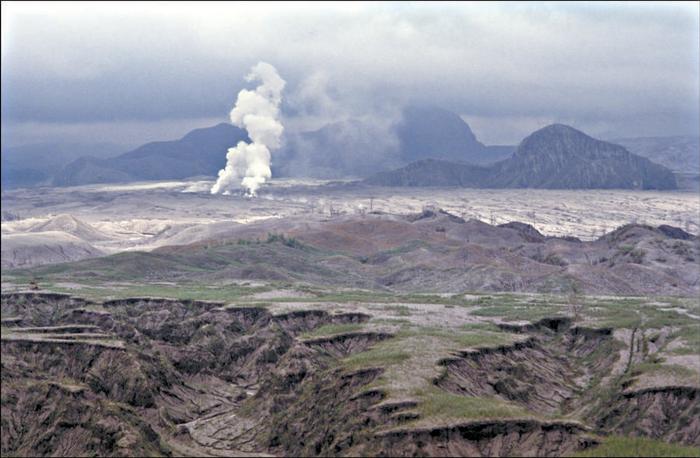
105,219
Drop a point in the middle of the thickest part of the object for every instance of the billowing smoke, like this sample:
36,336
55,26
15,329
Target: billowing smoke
359,131
257,111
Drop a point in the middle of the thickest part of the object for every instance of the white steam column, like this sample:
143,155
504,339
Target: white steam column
257,111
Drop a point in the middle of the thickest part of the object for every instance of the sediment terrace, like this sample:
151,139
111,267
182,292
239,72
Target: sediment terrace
150,376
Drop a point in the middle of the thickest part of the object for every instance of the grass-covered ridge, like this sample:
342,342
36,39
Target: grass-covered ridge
619,446
439,405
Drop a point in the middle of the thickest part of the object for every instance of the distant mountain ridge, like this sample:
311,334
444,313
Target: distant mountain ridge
678,153
555,157
359,148
432,132
34,164
346,148
426,142
200,152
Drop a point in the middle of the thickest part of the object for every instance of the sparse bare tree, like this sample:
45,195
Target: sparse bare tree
576,303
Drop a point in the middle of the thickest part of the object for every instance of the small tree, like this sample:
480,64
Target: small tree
576,302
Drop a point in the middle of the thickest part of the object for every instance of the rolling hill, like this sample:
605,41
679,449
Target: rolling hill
432,251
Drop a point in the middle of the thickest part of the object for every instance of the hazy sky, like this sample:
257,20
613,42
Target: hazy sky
134,72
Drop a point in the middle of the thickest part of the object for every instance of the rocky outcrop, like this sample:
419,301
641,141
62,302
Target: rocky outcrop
547,372
325,415
670,413
38,308
57,419
341,345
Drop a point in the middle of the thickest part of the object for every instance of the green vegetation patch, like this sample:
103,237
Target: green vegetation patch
667,369
618,446
615,316
379,356
410,362
690,335
626,313
280,238
436,403
656,317
468,336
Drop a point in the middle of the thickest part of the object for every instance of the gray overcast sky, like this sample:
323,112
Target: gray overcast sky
135,72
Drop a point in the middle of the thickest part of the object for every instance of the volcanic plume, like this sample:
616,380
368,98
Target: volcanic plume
256,111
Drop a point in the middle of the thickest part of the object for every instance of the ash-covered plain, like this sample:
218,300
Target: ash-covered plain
117,217
354,235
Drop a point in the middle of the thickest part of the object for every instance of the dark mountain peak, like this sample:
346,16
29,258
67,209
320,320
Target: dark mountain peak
432,115
206,133
560,139
554,157
200,152
427,131
558,129
559,156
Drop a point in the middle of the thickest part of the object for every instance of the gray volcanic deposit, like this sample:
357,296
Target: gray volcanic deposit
144,216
